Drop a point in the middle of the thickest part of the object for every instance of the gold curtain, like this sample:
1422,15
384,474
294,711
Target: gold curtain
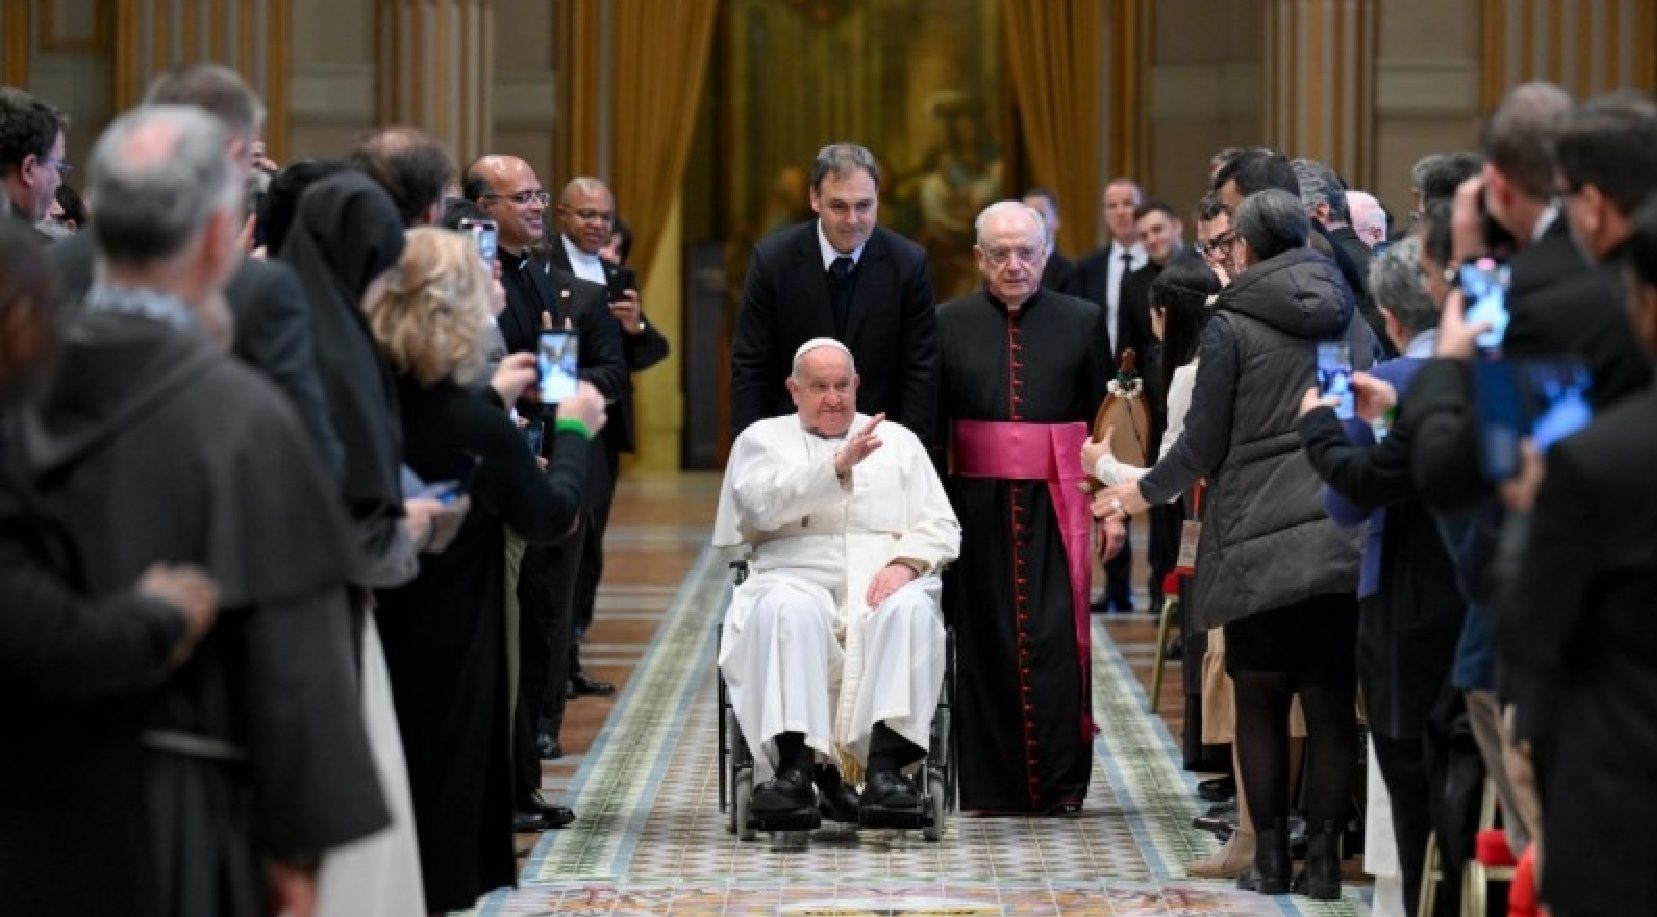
661,58
1054,62
577,56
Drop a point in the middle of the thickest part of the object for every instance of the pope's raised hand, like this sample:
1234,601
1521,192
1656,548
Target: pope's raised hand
858,447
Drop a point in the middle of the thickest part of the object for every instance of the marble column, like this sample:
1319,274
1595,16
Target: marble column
1320,83
436,70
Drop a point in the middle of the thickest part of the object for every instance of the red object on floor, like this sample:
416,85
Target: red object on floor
1491,848
1170,584
1521,894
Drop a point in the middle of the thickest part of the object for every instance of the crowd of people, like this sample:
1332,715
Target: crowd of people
299,537
297,560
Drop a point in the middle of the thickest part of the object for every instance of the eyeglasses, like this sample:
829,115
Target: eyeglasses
999,255
588,216
525,198
1217,246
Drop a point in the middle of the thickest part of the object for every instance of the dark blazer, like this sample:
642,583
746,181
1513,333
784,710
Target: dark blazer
1060,274
272,334
1093,283
1578,633
890,330
642,351
538,288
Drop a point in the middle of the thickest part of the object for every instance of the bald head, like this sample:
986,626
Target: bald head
506,188
586,214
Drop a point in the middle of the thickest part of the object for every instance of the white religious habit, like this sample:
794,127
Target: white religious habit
801,649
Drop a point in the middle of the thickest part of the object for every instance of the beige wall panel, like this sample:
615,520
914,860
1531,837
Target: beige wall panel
1429,29
80,84
533,144
523,34
332,32
321,140
1402,141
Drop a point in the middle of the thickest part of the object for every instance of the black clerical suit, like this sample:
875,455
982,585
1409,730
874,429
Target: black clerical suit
546,582
889,327
641,351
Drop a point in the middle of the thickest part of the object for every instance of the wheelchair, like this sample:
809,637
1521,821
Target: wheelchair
936,778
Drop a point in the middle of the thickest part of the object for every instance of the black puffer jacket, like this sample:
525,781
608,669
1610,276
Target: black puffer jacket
1266,541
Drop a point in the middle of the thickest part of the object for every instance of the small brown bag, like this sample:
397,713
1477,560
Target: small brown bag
1125,410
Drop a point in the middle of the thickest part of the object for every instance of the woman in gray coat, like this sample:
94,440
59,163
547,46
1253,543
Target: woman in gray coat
1272,569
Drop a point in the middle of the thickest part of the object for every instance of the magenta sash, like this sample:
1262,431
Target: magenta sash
1022,451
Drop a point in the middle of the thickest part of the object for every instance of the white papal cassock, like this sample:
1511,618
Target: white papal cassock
801,650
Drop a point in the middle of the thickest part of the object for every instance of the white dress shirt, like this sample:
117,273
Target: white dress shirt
583,265
829,254
1113,285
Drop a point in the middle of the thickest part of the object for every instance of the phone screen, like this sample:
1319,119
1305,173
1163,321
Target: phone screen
487,236
558,362
1545,401
1484,284
1335,376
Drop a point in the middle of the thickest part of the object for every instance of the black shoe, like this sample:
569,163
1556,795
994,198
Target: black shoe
790,791
1321,879
1271,860
584,685
1227,809
554,816
1217,790
548,747
836,800
888,790
528,823
1219,825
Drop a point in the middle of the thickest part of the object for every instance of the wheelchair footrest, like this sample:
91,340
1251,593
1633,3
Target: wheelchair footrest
882,817
802,820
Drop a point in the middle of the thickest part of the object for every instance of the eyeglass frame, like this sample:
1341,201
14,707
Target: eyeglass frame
999,256
1217,247
523,198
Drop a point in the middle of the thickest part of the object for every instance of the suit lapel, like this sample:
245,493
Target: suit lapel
871,281
816,312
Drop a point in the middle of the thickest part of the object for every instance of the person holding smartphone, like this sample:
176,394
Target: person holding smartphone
586,215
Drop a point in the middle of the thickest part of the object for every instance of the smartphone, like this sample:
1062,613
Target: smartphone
1335,376
486,233
1542,400
447,492
557,361
1484,284
535,433
620,282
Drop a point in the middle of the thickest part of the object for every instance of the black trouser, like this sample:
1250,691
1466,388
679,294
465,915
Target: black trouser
1404,771
1263,700
545,583
591,568
1162,547
1118,577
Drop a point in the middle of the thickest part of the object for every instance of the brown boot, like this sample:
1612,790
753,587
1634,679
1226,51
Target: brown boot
1228,862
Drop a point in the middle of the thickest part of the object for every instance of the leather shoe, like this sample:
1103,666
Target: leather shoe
1217,790
888,790
554,816
548,747
1214,824
528,823
584,685
789,791
836,800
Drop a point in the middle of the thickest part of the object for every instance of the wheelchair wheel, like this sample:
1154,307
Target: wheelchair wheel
742,793
937,805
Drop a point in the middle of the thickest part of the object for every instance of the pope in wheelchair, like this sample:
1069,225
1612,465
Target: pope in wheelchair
833,649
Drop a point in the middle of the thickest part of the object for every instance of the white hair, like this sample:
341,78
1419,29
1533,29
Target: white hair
1369,221
816,343
1000,208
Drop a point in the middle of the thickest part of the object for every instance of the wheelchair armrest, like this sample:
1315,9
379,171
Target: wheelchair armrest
739,572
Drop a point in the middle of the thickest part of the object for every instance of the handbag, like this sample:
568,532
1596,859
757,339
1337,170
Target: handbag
1126,414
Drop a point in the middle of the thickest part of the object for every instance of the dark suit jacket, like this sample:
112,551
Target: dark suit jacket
642,351
1093,283
272,334
891,330
1578,633
1059,275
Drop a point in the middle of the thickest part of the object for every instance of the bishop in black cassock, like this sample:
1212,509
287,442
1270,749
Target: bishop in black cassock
1021,377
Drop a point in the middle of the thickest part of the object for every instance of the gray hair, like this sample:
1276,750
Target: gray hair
841,160
1320,185
1519,136
1399,285
818,344
1438,175
1367,215
1272,222
214,87
1020,208
158,174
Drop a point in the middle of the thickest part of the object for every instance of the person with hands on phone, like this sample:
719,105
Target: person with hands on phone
848,526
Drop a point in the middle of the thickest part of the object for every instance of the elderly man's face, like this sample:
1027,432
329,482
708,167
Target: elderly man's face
825,391
1162,235
1121,200
1011,253
848,205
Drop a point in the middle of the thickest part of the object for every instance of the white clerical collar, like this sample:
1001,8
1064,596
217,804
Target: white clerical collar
583,265
1544,222
829,254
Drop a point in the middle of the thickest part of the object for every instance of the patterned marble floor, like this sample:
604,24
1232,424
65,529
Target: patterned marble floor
652,841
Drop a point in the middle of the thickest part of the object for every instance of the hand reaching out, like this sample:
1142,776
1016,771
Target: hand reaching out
858,447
